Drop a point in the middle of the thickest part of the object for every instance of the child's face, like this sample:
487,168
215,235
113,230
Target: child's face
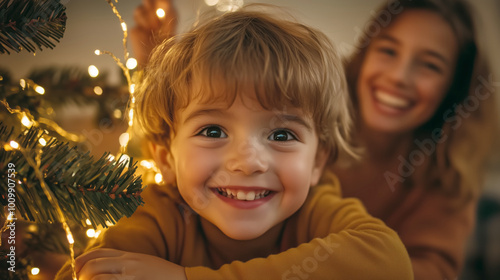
243,168
406,72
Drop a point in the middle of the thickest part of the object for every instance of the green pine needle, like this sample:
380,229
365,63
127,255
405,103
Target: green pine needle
102,191
31,24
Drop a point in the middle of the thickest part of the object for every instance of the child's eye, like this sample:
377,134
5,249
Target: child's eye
387,51
282,135
213,132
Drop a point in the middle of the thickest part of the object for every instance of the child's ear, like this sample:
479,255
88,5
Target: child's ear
164,161
322,156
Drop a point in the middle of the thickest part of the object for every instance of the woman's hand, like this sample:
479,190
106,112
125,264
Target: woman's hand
150,29
103,264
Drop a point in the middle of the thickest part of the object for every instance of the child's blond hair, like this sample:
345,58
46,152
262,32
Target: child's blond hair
285,63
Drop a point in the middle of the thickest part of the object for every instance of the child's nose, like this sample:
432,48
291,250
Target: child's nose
248,157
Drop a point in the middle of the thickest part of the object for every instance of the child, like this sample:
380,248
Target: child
245,111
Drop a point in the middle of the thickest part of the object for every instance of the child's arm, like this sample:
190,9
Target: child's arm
347,244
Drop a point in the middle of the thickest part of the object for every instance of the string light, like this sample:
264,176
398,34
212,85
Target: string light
90,233
124,159
124,26
97,52
158,178
10,217
13,144
229,5
111,158
124,138
35,271
26,121
70,238
160,13
40,90
22,82
87,221
147,164
98,90
131,63
131,89
117,113
93,71
42,142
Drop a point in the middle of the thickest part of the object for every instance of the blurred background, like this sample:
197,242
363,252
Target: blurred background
92,25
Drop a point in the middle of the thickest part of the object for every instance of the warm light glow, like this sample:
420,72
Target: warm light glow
131,63
22,82
124,138
124,159
146,164
132,100
117,113
97,52
91,233
87,221
26,121
111,157
229,5
10,217
13,144
97,234
42,141
98,90
211,2
109,224
93,71
158,178
131,114
40,90
124,26
35,271
70,238
160,13
130,122
131,89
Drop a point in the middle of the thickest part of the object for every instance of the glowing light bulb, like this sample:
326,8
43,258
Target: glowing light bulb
22,82
87,221
98,90
111,157
70,238
131,89
211,2
125,159
131,114
40,90
97,234
229,5
117,113
124,26
158,178
97,52
35,271
42,141
13,144
124,138
160,13
90,233
26,121
10,217
93,71
146,164
131,63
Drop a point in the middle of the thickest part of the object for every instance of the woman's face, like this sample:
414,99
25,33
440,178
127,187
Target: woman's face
407,71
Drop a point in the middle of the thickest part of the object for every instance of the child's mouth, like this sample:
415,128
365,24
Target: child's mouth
242,195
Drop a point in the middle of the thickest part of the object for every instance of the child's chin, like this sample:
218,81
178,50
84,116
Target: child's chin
244,234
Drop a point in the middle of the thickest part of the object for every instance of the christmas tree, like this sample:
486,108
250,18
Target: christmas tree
45,178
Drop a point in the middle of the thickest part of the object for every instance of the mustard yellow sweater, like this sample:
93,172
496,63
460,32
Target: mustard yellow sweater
328,238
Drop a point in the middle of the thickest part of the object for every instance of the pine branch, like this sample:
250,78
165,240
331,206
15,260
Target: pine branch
101,191
31,24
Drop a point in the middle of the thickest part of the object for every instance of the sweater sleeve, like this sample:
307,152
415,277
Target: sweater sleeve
144,232
340,241
435,236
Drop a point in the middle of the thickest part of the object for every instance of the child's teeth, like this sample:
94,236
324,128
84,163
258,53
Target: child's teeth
241,195
250,196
